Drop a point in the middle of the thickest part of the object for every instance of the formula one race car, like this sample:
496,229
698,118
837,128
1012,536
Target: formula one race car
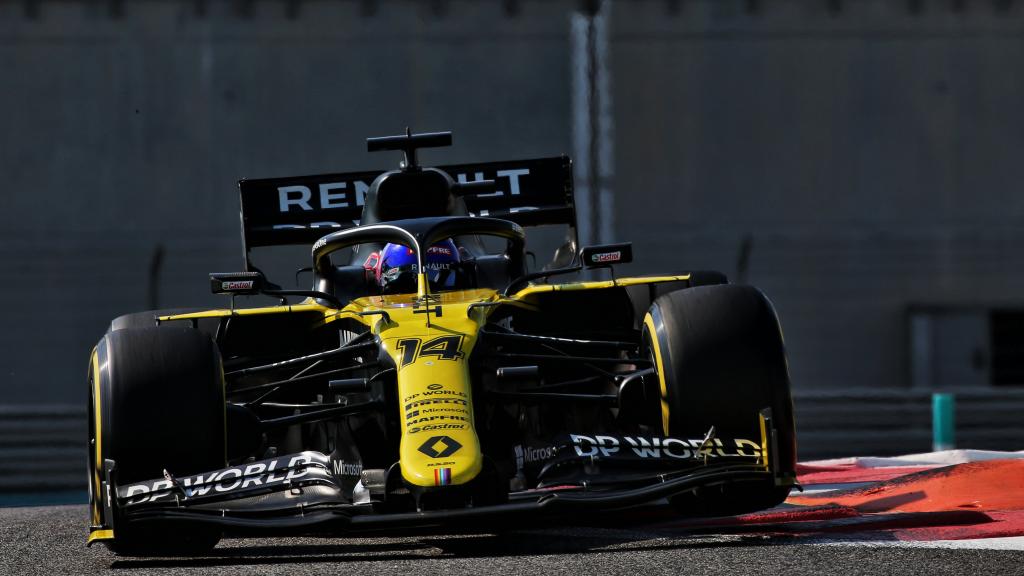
428,379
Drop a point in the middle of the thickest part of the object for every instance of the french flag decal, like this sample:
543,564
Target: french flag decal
442,476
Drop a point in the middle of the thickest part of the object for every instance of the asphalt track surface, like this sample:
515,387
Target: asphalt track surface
51,540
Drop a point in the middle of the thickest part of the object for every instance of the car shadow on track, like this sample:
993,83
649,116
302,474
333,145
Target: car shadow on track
649,528
561,542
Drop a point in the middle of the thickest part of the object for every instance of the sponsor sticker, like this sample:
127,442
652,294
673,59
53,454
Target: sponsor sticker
655,447
436,402
237,285
423,419
265,473
433,393
532,454
342,468
435,427
439,447
602,257
435,411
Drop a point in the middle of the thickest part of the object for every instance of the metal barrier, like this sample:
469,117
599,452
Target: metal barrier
42,448
892,422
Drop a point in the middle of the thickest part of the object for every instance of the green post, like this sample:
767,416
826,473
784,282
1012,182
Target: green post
943,425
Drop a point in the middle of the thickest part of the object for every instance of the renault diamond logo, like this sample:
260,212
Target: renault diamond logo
440,447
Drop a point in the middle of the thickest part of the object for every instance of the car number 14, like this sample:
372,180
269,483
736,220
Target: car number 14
442,347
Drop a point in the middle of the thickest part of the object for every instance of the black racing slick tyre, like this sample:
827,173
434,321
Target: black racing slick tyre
720,358
156,403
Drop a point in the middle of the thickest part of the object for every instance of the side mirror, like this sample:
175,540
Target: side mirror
606,255
236,282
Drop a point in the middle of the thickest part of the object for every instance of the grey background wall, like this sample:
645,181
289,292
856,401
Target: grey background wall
870,157
126,134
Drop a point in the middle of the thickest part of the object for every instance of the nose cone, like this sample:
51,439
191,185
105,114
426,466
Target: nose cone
439,444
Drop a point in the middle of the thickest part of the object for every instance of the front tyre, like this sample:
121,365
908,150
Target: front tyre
156,403
720,359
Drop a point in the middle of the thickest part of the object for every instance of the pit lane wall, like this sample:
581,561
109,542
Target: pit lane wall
42,446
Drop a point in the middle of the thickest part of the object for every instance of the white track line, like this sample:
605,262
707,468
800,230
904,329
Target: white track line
811,489
943,458
1011,543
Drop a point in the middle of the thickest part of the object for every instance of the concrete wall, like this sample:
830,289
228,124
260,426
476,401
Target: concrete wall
871,156
119,135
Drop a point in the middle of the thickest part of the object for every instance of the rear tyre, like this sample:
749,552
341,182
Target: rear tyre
156,403
720,357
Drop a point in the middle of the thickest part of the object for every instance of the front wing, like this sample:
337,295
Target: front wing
300,493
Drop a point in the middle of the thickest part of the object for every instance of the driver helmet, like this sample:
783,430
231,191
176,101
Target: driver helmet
396,268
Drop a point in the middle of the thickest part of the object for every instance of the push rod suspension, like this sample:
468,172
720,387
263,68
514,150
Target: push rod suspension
517,337
346,349
557,358
325,414
301,379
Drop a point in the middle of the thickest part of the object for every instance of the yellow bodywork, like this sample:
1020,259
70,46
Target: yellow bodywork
100,535
439,444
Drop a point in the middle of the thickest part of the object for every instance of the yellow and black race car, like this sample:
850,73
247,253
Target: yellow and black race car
428,378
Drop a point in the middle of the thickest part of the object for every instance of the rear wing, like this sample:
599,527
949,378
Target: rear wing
301,209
